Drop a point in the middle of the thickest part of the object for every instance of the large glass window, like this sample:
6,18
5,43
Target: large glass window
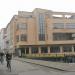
55,49
44,50
62,36
41,27
34,49
23,37
70,25
27,50
42,37
58,25
22,26
67,48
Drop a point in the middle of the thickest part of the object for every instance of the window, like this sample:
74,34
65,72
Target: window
34,49
57,16
55,49
23,37
58,25
44,50
70,25
22,26
42,37
62,36
27,50
41,26
67,48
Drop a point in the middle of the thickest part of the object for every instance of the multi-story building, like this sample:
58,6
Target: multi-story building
3,40
43,33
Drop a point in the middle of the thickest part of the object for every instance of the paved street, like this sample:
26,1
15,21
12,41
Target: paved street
23,68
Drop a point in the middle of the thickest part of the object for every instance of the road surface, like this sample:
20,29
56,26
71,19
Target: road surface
23,68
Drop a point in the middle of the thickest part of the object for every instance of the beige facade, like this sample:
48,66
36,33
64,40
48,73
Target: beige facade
42,32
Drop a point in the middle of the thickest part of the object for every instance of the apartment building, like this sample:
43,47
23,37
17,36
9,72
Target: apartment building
42,32
3,45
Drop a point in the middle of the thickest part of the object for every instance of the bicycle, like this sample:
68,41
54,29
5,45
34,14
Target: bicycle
9,65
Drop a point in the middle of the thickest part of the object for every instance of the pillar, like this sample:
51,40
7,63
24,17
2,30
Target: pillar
48,49
72,49
29,50
25,50
61,51
39,50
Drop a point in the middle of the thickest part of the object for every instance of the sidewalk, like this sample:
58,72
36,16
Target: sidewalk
56,65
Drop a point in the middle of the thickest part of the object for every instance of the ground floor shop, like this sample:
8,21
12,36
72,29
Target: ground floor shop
52,52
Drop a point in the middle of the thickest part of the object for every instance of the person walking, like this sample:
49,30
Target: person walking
8,60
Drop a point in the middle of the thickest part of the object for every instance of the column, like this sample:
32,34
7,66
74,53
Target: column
61,51
29,50
25,50
73,58
72,49
39,50
48,49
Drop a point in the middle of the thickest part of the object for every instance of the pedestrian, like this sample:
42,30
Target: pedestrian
8,60
2,57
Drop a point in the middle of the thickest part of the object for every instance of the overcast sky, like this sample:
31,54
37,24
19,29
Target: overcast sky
8,8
